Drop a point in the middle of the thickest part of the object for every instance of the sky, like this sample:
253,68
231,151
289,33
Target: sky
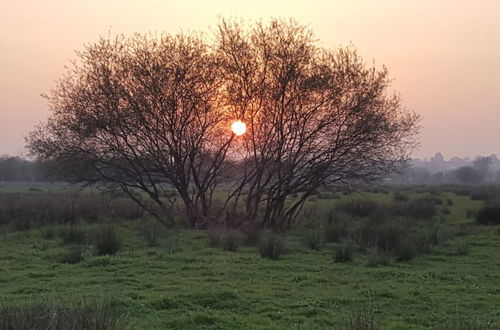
443,55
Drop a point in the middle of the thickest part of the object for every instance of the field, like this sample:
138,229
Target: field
185,279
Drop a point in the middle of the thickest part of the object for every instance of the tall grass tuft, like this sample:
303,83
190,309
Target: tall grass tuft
152,233
313,239
271,245
361,320
61,315
73,255
344,252
107,241
73,234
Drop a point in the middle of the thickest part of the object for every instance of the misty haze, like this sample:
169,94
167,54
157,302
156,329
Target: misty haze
261,165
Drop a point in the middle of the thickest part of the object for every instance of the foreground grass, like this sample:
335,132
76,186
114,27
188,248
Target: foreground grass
184,284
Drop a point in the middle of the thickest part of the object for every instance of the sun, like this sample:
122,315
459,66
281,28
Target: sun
238,127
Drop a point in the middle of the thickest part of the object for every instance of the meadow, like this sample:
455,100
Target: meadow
384,258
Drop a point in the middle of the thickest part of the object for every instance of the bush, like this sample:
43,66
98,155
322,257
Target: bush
214,237
338,227
251,236
406,250
313,239
60,315
489,215
73,234
72,255
359,207
420,209
344,252
378,259
27,210
107,241
390,234
271,245
428,237
151,233
230,241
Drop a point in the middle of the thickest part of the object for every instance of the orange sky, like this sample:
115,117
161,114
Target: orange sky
443,55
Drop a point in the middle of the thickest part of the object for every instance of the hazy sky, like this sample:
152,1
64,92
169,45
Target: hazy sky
444,56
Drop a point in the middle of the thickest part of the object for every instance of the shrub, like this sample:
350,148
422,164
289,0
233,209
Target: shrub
359,207
215,237
59,315
420,208
33,209
489,215
344,252
107,241
313,239
488,194
72,255
73,234
406,250
151,233
230,241
338,227
390,234
378,259
271,245
251,236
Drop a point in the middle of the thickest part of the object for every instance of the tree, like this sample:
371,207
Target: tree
151,114
466,175
482,165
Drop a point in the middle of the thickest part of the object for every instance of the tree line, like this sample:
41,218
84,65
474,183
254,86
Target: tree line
14,168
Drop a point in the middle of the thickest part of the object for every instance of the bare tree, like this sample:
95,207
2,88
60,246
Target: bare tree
141,114
150,114
315,117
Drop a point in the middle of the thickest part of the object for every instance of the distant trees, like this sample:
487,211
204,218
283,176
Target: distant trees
13,168
479,172
150,114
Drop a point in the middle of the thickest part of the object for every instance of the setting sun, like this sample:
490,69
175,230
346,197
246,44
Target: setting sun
239,127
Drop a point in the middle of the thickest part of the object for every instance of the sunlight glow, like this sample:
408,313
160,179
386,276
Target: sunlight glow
238,127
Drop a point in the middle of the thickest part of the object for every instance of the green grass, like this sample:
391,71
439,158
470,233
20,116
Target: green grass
182,283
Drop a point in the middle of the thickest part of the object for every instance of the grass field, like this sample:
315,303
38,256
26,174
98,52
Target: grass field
184,283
